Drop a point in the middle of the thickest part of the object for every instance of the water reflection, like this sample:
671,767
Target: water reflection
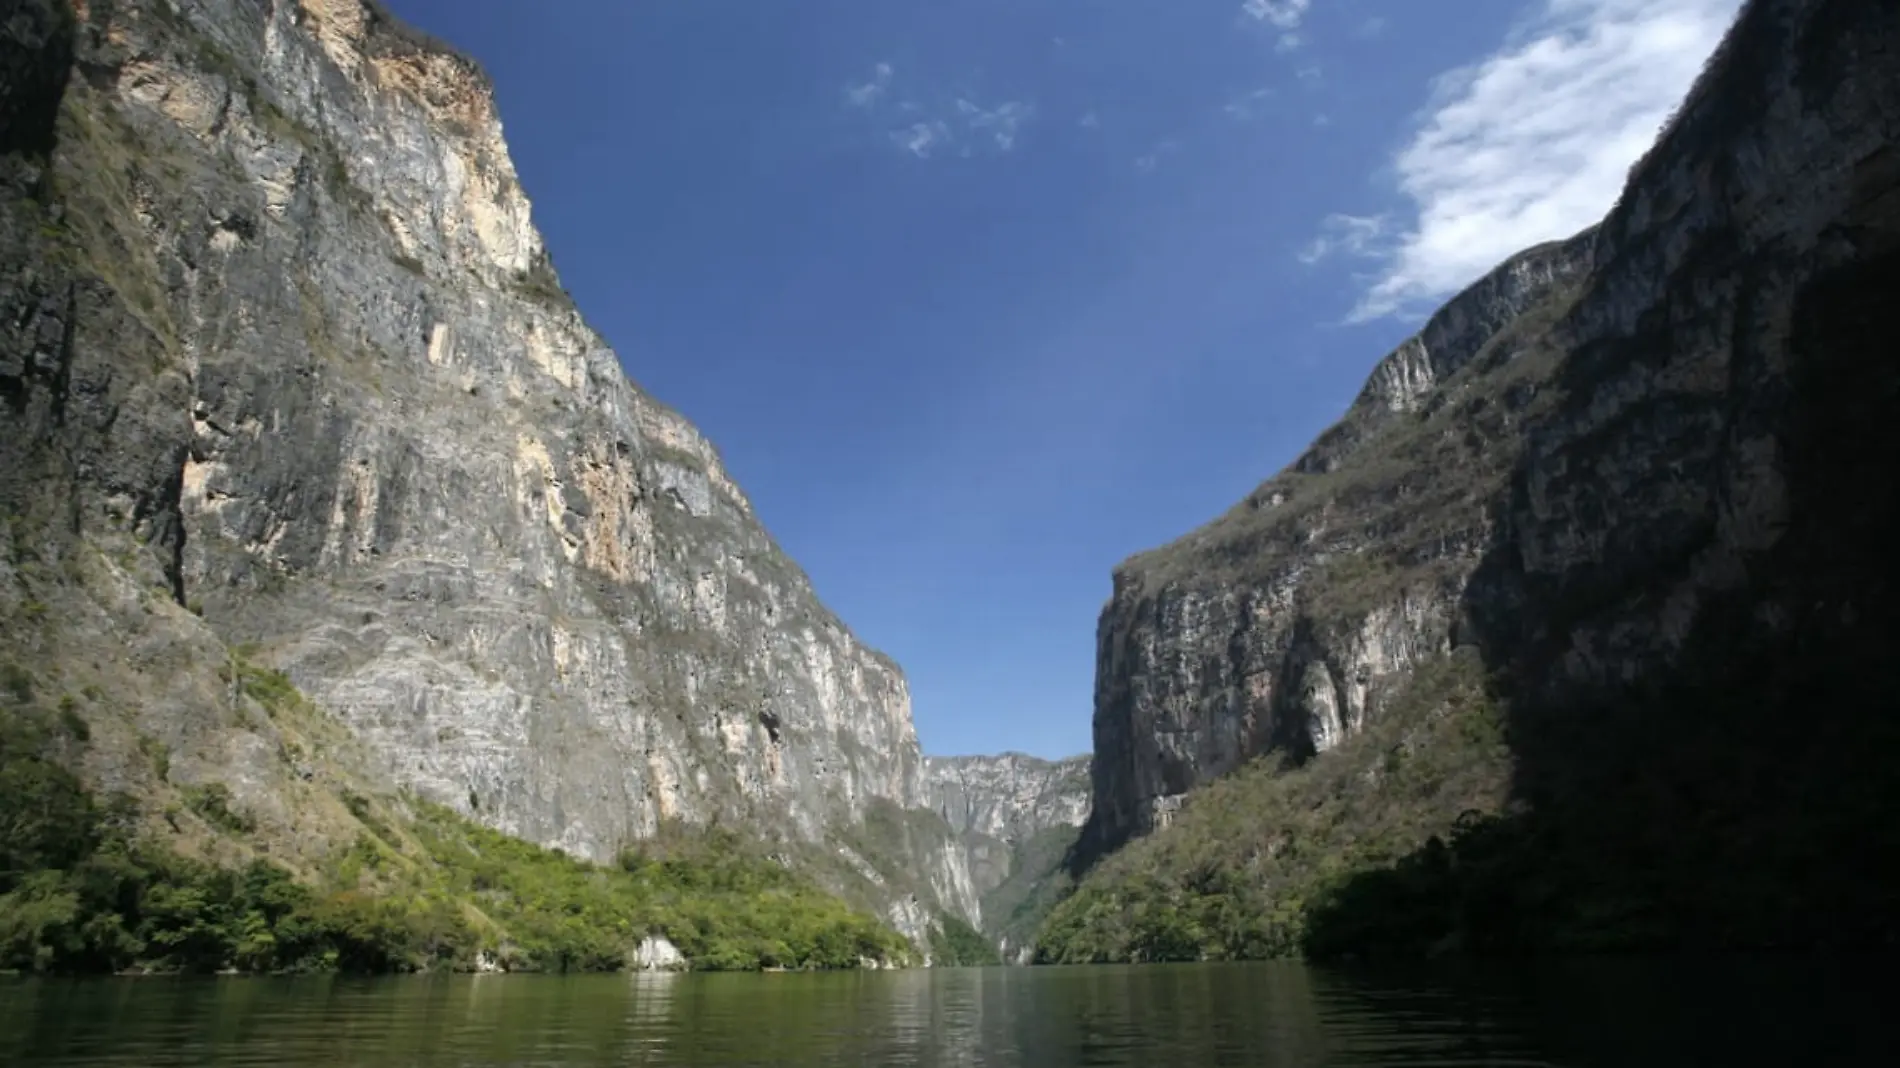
1627,1013
649,1018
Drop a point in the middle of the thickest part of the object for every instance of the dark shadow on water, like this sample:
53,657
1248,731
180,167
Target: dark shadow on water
1747,793
1627,1012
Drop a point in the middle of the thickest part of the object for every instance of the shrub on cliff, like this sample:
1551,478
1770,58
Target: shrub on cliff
81,891
1236,874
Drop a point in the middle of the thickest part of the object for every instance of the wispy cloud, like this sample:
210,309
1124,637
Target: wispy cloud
933,125
999,124
864,94
922,139
1347,235
1529,144
1247,104
1283,15
1149,160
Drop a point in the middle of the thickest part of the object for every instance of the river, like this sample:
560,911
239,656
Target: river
1719,1012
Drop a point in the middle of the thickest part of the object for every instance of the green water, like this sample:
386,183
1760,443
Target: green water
1171,1016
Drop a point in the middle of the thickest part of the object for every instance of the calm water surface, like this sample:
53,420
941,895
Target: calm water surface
1716,1013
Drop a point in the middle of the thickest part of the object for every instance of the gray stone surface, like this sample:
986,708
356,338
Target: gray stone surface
1007,796
1284,623
1013,816
276,316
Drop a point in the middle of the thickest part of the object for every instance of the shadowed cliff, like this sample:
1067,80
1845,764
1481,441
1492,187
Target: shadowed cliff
1573,634
1701,709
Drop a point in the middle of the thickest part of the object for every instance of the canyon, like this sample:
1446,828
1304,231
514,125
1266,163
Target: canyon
322,499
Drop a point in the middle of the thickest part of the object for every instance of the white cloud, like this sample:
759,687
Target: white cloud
864,94
1245,105
922,139
1530,144
1089,121
934,125
1347,235
967,128
1283,14
1000,124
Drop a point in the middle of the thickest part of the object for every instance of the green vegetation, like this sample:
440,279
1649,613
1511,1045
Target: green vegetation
80,893
102,161
1236,873
714,894
1382,493
540,284
1675,817
83,889
886,840
17,682
211,802
1750,808
956,944
1742,794
1038,879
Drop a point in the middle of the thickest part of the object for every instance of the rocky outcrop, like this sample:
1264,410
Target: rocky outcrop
284,356
656,954
1015,818
1286,622
1009,796
1614,463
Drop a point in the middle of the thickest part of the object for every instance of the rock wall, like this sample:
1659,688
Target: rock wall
1284,623
1589,457
1015,818
275,316
1008,796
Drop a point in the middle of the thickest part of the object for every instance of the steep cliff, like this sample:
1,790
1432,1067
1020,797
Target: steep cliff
1016,817
287,367
1607,547
1284,624
1007,797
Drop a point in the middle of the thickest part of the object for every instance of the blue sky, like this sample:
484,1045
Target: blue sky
979,297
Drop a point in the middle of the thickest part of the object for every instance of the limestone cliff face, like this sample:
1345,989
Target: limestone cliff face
1008,796
1580,463
1287,621
1014,817
276,314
